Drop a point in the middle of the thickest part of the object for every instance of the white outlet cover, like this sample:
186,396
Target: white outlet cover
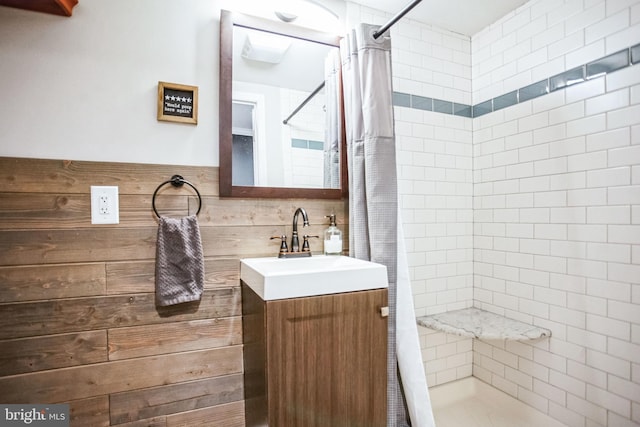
105,208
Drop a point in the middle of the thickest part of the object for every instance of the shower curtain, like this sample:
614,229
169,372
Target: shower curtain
374,221
333,119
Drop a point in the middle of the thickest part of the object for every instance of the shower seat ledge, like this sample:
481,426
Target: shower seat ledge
477,323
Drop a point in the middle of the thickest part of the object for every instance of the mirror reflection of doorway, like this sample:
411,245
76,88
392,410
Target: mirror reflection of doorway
242,150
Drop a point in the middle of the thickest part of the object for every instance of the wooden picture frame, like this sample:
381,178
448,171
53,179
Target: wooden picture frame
177,103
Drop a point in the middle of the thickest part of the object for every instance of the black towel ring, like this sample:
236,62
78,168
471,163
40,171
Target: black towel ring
176,181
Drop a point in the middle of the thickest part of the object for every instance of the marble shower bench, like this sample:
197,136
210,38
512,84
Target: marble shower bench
476,323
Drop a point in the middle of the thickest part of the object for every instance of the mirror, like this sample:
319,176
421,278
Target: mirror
269,72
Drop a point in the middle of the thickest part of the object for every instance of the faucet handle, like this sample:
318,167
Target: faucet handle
283,243
305,243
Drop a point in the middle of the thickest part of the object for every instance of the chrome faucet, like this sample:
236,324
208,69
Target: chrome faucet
295,243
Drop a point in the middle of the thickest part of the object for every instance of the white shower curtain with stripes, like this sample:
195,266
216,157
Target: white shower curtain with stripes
374,220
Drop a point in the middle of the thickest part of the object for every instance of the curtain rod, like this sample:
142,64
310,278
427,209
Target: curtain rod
376,35
395,19
303,103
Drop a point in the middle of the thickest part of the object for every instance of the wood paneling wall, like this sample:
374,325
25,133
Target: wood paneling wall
78,321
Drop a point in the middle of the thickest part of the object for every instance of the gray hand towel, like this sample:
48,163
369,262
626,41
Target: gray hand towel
179,261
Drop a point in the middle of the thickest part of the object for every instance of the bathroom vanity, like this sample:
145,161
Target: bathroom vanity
315,360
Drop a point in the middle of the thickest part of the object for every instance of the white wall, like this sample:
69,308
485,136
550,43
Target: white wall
557,211
85,87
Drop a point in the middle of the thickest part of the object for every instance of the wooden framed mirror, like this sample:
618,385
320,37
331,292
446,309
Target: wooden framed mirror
270,175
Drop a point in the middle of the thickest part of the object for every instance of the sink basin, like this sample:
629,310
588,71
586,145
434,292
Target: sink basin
279,278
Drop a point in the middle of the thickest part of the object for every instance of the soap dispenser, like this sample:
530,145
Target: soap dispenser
332,237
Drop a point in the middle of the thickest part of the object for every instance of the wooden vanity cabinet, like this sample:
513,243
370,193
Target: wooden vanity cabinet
315,361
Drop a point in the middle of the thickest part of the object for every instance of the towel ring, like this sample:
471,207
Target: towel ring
176,181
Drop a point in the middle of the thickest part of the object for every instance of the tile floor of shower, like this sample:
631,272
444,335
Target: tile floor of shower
470,402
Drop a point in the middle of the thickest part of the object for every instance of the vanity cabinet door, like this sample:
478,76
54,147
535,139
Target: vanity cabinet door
326,360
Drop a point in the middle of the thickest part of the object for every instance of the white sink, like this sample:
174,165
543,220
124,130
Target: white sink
278,278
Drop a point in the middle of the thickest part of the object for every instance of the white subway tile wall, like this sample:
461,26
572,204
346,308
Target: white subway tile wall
568,214
531,211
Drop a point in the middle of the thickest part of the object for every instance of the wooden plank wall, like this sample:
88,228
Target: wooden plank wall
78,321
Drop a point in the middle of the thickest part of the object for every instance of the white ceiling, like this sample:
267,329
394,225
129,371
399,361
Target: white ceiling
461,16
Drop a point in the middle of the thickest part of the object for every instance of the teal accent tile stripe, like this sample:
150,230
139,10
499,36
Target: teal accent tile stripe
298,143
443,106
316,145
533,90
568,78
607,64
635,54
307,144
422,103
483,108
506,100
462,110
402,99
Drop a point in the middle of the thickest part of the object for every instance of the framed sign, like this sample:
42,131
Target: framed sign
177,103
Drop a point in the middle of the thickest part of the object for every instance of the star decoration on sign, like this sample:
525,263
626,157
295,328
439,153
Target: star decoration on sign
178,98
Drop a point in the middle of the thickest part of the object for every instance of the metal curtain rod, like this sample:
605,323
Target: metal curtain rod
376,35
314,93
395,19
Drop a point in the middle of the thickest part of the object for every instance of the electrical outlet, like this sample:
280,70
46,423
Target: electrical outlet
104,205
